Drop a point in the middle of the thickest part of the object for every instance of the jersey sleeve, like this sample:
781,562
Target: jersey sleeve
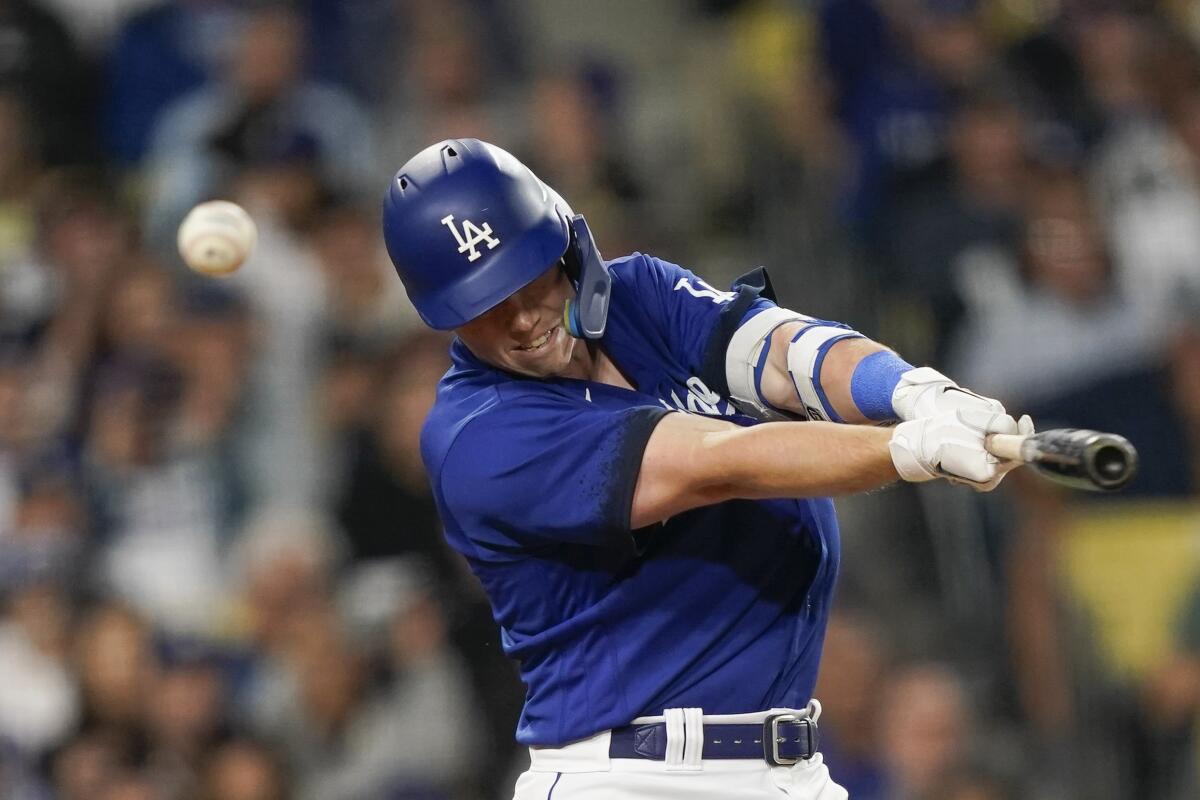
546,469
695,319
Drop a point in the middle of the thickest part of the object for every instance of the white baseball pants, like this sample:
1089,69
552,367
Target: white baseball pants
583,771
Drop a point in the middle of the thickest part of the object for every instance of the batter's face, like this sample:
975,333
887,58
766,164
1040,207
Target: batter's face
525,333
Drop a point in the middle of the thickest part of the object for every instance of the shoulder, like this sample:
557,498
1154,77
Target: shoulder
640,268
626,270
647,273
483,409
454,408
656,282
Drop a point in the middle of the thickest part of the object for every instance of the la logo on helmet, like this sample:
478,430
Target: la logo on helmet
474,236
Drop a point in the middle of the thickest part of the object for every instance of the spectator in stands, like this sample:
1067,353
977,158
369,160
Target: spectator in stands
406,733
39,694
956,235
82,242
1055,311
446,82
262,112
768,180
897,68
854,663
386,507
131,785
181,44
283,566
185,715
211,346
20,169
1147,173
46,534
45,66
366,304
115,659
87,764
1170,695
925,728
157,505
1171,703
244,769
576,145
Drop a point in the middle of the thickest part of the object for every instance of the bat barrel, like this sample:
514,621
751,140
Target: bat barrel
1079,458
1110,461
1082,458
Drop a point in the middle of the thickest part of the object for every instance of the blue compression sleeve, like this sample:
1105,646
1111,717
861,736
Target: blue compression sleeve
873,382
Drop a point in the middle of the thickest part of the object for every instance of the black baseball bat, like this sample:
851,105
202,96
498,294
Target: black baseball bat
1075,457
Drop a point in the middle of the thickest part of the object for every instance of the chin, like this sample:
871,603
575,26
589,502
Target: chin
549,365
548,368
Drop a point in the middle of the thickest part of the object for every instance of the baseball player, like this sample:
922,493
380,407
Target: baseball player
637,467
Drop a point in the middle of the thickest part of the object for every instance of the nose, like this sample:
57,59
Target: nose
522,318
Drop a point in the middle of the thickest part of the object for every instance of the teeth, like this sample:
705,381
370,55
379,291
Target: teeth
541,340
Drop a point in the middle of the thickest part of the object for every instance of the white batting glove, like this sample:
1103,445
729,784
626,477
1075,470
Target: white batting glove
951,446
925,392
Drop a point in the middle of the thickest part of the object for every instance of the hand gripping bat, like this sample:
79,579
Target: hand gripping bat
1078,458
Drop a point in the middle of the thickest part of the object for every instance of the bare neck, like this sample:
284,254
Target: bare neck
590,363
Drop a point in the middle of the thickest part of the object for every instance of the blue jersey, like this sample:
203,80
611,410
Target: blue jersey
723,607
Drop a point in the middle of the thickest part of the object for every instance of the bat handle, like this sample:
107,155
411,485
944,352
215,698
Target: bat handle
1008,446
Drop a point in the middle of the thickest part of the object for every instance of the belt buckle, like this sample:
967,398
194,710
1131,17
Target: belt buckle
772,739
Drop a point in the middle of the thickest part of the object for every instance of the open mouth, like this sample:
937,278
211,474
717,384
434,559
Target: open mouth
539,342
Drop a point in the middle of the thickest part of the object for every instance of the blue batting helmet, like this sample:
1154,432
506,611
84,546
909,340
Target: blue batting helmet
466,225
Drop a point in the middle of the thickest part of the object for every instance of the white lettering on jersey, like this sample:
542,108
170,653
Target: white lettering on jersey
704,292
702,392
474,236
700,400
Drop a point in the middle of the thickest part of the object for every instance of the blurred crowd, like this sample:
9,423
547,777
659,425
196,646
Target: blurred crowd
221,572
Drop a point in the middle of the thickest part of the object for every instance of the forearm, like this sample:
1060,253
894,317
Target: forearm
782,361
837,371
782,459
692,461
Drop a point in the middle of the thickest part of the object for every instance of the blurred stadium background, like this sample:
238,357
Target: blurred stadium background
221,573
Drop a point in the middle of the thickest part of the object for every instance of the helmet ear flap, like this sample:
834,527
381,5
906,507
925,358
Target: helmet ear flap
586,315
570,259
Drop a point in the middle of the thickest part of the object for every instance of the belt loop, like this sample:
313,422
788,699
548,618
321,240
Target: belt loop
814,709
693,745
675,738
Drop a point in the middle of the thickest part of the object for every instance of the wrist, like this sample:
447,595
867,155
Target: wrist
906,448
917,392
873,385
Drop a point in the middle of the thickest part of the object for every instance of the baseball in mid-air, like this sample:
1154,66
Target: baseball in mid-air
216,237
